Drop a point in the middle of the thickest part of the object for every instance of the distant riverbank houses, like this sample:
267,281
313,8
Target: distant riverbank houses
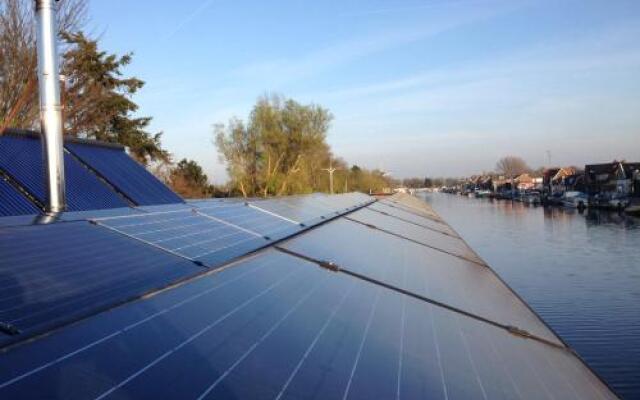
611,179
610,185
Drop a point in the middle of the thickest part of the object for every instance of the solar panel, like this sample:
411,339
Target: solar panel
13,202
129,177
21,158
411,266
433,237
296,209
278,327
412,217
310,209
410,204
250,218
188,234
55,273
344,200
20,220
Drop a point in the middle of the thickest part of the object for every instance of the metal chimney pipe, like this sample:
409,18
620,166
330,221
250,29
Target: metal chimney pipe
50,109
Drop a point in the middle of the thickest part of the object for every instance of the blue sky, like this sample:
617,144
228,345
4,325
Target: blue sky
416,87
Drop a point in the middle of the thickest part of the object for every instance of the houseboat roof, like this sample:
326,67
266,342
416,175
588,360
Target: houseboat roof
317,296
611,168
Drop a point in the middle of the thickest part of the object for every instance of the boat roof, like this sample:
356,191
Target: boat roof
309,297
316,296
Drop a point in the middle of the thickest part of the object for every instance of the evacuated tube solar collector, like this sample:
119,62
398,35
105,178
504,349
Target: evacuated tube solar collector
50,109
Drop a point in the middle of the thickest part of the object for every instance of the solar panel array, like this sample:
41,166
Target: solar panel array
346,300
68,267
21,158
277,327
418,269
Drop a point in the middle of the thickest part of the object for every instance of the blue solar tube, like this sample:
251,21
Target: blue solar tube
121,171
21,158
13,202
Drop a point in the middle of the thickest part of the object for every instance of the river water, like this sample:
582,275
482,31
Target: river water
580,272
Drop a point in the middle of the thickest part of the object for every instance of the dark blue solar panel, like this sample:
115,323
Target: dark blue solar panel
125,174
13,202
250,219
21,158
189,234
54,273
276,327
311,209
296,209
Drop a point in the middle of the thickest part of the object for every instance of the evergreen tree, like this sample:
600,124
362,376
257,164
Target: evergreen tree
97,99
189,180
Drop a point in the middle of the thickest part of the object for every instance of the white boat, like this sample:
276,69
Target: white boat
533,197
618,201
577,200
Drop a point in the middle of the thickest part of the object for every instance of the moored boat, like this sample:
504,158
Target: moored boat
533,197
575,199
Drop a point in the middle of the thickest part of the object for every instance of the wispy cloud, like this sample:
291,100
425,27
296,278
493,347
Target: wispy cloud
605,50
189,18
276,72
423,5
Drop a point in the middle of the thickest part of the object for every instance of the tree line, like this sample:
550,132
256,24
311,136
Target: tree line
508,167
282,149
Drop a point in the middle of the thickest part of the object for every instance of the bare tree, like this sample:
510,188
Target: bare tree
512,166
18,97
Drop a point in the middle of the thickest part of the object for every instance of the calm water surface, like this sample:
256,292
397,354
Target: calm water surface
580,272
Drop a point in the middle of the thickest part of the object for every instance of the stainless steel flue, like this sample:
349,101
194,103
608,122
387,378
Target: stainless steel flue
50,109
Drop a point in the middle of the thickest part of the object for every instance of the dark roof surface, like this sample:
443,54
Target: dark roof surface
304,297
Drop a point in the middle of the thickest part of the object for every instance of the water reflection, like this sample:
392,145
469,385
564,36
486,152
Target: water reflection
579,271
602,217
